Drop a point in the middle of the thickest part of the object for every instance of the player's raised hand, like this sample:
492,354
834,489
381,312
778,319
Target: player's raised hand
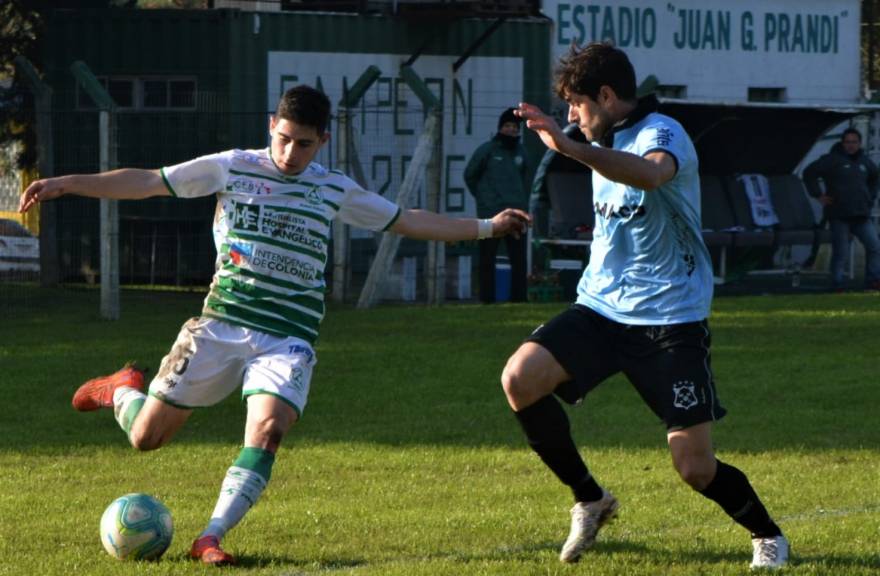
510,221
543,124
40,191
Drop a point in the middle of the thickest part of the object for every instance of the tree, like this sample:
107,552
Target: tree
20,24
870,45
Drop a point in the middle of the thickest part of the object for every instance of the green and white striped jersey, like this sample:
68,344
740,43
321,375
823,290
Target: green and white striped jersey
271,232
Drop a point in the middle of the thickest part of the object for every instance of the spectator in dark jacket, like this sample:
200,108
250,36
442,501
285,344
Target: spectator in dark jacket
850,180
496,176
545,220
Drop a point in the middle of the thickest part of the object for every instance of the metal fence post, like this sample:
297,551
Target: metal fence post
49,274
435,262
347,159
340,228
109,208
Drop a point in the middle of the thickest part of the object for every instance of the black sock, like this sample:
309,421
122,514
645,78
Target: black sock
731,490
548,433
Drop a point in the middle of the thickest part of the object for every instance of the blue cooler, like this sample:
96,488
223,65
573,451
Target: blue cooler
502,280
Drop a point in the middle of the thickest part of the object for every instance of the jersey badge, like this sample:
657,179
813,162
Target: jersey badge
248,157
240,252
314,196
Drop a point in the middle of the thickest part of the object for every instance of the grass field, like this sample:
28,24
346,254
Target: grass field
408,462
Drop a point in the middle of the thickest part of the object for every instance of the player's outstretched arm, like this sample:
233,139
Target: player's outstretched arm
424,225
645,173
123,184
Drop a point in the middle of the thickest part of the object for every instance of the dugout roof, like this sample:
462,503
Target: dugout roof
766,138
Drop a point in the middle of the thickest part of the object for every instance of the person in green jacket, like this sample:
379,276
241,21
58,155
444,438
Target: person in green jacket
496,176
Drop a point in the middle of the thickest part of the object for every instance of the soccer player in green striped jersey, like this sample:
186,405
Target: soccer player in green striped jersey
260,319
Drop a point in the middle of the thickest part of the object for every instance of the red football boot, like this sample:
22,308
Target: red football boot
98,392
207,549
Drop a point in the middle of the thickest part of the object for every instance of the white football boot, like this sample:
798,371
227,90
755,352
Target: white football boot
586,519
769,553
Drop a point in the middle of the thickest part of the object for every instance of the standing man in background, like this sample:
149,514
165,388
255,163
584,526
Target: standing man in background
496,176
850,180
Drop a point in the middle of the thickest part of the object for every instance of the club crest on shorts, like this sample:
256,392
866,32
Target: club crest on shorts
685,394
296,377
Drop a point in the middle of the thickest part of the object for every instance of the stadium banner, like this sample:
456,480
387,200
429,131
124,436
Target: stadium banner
716,49
390,117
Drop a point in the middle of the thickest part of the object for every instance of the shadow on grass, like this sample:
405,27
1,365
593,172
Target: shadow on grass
295,566
290,564
835,563
404,376
286,563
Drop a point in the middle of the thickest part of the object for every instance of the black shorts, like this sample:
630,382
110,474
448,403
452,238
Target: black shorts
669,364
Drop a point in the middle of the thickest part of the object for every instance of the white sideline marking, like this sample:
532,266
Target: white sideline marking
840,512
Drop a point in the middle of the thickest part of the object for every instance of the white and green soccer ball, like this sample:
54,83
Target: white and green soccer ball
136,526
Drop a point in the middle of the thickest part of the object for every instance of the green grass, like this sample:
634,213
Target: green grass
408,462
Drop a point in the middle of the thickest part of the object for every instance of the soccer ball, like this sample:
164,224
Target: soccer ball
136,526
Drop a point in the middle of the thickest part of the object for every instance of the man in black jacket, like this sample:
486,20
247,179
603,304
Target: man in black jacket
850,180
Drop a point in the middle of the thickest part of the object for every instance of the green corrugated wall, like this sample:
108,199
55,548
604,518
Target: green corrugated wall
226,51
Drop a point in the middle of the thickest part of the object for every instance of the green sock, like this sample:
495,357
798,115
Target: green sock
245,481
257,460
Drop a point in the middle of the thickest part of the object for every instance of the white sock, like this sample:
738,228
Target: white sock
127,403
239,492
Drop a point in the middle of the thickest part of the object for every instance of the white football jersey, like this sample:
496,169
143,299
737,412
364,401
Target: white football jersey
271,232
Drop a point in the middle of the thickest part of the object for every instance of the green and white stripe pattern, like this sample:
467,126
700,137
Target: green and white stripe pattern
271,232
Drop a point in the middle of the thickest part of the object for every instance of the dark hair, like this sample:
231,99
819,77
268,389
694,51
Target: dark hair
305,105
851,131
585,70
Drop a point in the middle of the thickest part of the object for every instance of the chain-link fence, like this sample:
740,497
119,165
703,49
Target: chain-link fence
19,242
10,188
168,242
188,83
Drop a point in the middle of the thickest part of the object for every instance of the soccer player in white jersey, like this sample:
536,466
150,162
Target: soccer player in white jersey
260,319
641,306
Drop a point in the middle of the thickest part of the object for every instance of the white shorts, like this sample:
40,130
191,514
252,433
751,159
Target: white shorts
211,358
